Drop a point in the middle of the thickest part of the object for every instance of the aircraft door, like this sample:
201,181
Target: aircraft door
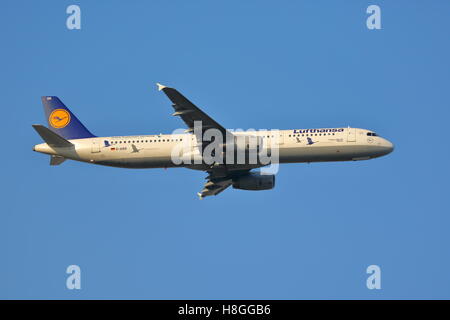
280,140
95,147
276,137
351,135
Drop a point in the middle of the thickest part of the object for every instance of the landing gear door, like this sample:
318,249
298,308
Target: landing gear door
351,136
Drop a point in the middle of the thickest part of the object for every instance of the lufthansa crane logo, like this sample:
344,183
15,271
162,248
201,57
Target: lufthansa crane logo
59,118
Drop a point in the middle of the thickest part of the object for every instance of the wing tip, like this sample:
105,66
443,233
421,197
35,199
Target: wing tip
160,86
200,196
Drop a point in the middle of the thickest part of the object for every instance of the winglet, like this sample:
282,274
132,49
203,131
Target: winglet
200,196
160,86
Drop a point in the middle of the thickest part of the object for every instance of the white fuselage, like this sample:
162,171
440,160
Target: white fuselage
155,151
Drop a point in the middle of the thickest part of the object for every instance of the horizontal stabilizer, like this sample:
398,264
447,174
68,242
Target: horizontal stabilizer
56,160
51,138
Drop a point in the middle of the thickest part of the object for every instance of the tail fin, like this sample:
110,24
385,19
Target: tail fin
62,121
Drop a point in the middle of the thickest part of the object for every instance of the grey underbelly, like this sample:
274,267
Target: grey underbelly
325,153
139,163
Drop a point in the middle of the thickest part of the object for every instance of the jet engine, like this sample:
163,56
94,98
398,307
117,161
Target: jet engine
254,181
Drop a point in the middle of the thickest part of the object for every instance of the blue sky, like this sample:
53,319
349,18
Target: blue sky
143,234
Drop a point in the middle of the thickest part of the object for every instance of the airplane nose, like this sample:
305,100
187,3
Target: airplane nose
389,147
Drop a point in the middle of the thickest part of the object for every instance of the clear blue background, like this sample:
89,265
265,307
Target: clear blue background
249,64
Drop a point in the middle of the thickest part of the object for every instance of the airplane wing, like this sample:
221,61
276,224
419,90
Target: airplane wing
189,112
218,181
214,187
220,177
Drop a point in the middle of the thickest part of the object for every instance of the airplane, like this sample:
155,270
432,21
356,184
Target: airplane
67,138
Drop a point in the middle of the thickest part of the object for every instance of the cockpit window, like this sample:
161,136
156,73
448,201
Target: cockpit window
372,134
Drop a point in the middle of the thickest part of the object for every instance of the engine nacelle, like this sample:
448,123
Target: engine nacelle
254,181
